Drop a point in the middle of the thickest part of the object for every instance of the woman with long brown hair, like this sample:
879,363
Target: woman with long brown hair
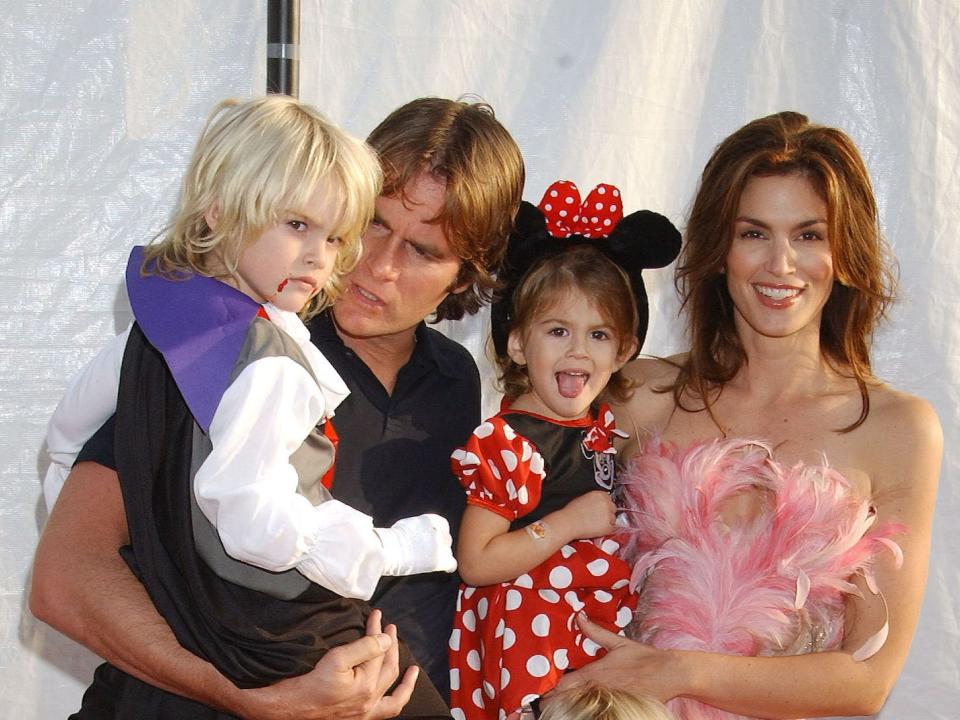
773,479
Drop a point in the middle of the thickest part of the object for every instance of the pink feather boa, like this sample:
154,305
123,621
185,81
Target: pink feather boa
772,583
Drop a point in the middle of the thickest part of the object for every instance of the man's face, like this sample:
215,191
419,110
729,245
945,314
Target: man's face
407,267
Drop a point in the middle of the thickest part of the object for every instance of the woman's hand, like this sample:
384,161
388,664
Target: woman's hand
628,665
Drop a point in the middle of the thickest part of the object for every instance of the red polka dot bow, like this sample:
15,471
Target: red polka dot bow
595,217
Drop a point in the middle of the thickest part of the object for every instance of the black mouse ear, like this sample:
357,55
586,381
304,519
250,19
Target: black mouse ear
527,243
645,239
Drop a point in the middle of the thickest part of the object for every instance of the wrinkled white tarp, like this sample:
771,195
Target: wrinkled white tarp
101,101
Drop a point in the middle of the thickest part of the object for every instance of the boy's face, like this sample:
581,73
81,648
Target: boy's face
407,267
292,260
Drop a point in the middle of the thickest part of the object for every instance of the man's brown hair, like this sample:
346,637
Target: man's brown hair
463,145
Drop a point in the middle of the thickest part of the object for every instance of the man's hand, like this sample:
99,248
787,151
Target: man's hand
349,682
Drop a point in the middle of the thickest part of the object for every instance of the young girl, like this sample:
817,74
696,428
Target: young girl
220,401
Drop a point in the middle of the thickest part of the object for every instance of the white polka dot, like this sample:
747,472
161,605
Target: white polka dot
550,596
513,600
508,432
548,207
624,616
607,223
469,591
616,193
573,601
576,218
602,596
563,213
524,581
527,699
601,190
613,208
471,459
457,714
455,639
560,659
623,582
525,451
538,666
493,468
540,625
568,200
509,638
598,567
470,620
567,550
485,430
482,605
498,632
454,678
609,546
509,458
598,206
594,219
473,660
502,714
511,489
477,698
553,193
488,690
560,577
536,464
523,497
504,678
590,647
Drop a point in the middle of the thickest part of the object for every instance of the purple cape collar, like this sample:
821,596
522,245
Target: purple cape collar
199,326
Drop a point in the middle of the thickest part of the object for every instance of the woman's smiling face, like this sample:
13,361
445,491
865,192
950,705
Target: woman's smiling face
779,268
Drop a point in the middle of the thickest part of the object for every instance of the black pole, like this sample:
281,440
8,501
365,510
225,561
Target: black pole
283,47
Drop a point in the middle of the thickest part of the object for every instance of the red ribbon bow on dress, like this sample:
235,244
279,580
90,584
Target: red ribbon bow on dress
599,438
595,217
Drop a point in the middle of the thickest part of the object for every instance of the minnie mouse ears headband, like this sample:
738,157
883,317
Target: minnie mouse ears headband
640,240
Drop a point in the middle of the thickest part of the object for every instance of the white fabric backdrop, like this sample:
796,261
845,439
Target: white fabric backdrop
101,101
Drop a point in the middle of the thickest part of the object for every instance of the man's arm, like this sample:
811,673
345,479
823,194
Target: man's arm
82,587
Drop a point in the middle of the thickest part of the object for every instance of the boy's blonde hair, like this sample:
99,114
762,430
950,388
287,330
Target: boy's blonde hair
599,702
256,160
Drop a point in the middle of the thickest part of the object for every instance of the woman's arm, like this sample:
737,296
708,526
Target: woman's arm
487,553
905,443
82,587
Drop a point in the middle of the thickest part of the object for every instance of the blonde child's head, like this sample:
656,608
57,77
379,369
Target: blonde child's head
255,162
599,702
580,269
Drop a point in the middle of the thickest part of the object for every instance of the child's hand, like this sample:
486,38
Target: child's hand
418,544
590,515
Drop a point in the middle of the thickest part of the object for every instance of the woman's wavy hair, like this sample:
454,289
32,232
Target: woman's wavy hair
585,269
783,144
463,145
255,161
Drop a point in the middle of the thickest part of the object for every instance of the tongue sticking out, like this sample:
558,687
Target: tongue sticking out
570,386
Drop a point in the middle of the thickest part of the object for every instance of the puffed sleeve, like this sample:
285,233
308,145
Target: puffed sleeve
500,470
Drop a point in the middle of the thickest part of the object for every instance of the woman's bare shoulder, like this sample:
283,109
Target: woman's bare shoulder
904,437
651,373
902,417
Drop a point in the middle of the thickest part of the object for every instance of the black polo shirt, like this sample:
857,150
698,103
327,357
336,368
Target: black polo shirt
393,461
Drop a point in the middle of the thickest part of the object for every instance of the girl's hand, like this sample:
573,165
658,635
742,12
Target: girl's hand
588,516
628,665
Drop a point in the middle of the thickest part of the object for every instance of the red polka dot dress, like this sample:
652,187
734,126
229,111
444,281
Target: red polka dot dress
513,640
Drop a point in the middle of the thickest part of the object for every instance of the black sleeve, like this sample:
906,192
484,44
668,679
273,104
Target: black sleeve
99,448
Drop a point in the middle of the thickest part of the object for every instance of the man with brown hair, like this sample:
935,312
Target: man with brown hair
454,178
